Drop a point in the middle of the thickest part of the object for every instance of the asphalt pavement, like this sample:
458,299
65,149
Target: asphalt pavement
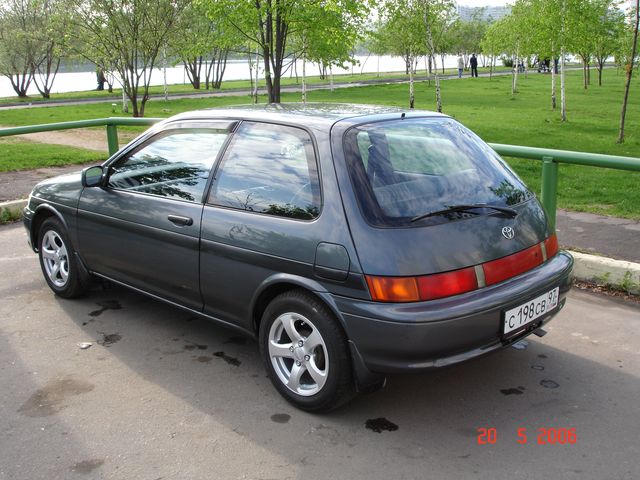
161,394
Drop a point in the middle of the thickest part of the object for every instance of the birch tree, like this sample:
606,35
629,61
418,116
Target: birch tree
271,24
18,47
127,36
629,67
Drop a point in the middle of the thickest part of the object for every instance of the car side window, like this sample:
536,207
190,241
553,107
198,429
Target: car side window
269,169
175,164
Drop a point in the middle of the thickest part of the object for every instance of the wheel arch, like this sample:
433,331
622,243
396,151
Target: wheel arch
365,380
277,284
42,212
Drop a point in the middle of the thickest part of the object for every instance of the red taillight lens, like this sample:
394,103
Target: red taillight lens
503,268
551,245
447,284
441,285
428,287
393,289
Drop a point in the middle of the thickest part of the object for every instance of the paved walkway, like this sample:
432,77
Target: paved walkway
611,237
239,92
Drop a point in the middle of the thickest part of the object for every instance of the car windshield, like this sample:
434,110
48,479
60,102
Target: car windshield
407,168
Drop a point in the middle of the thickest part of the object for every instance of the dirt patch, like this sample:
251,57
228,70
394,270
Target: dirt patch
17,185
80,138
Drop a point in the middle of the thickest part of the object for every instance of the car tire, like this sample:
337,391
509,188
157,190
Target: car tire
305,352
57,260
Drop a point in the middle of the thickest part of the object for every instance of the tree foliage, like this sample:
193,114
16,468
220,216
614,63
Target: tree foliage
33,39
273,26
126,36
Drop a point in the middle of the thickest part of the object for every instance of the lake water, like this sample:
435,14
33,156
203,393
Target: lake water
236,70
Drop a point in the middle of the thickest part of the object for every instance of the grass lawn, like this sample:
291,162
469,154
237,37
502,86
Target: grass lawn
21,154
485,106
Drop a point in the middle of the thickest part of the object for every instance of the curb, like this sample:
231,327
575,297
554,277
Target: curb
12,211
619,274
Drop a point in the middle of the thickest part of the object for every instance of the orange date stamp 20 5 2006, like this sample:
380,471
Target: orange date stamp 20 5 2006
542,436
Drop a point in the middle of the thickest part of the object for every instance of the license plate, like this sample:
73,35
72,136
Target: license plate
518,317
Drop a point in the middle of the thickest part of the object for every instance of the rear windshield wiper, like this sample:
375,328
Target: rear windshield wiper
509,212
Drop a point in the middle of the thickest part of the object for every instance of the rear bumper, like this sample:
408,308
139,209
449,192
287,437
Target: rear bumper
426,335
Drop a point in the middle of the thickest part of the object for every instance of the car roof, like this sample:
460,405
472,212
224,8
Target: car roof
314,115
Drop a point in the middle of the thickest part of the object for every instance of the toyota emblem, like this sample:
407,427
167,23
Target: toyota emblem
508,233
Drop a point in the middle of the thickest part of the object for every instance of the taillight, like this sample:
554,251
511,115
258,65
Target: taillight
428,287
551,246
504,268
448,284
393,289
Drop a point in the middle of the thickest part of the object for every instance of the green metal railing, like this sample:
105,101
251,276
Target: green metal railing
550,158
111,123
550,162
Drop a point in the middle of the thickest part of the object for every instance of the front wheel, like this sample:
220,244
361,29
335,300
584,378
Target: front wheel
306,353
57,259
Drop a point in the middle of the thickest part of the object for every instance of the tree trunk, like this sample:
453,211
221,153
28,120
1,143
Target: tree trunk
600,61
193,67
304,71
553,86
514,83
625,99
432,52
563,92
21,83
47,70
255,83
411,87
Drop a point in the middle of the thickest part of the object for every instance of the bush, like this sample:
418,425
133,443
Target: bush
507,62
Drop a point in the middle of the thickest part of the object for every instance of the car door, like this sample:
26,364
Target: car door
143,227
260,217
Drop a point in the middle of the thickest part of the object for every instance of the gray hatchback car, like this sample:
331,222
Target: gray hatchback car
351,241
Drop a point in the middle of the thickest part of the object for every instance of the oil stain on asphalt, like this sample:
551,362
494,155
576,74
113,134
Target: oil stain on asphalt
549,384
109,339
280,417
49,399
380,424
106,305
87,466
512,391
230,360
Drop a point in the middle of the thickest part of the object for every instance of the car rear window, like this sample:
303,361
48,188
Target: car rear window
405,168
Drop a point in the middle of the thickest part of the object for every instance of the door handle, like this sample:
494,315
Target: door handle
180,221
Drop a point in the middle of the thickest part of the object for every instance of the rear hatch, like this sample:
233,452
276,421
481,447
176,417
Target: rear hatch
424,195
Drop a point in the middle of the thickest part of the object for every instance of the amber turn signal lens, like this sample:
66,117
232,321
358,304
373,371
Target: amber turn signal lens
393,289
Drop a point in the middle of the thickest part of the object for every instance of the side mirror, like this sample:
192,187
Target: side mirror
92,176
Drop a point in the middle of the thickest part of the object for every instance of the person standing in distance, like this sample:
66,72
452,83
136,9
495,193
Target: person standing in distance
460,66
473,62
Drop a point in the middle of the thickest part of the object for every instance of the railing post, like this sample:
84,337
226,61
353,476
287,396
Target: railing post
112,138
550,188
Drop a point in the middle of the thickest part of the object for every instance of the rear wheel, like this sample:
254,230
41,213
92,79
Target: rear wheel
305,352
57,259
